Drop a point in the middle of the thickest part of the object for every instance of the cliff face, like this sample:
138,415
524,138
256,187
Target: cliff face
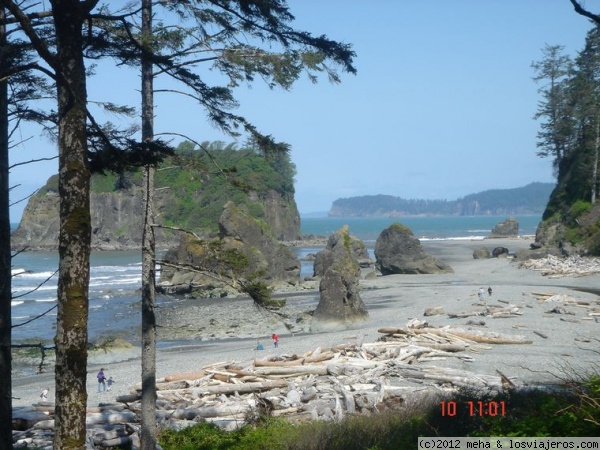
117,219
281,213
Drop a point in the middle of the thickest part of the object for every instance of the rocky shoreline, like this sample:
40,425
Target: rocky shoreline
558,317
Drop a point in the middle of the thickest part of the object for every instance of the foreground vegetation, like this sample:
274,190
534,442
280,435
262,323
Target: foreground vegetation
569,412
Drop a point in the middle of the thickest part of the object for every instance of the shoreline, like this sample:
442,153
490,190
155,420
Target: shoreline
391,301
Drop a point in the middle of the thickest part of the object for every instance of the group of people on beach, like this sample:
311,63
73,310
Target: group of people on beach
104,382
274,337
481,293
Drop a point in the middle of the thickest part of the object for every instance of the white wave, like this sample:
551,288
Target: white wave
16,302
17,271
458,238
34,275
45,300
113,269
21,289
128,280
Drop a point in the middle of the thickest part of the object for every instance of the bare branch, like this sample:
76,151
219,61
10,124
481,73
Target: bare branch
580,10
32,161
34,318
24,198
177,229
37,287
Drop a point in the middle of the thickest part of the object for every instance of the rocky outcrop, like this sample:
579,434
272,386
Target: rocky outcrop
326,258
500,251
397,251
506,229
281,214
117,219
481,253
340,304
282,263
245,248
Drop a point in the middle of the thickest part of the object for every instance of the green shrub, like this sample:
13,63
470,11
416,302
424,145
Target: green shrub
579,208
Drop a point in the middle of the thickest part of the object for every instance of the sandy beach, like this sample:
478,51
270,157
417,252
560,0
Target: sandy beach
392,301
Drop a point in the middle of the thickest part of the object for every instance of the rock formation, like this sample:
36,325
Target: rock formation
505,229
500,251
326,258
481,253
244,244
340,303
117,218
397,251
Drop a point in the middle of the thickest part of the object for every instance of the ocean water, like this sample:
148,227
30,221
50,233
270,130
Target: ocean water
116,276
452,227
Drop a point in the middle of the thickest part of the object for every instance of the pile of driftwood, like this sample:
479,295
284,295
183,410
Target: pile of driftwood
555,267
492,311
324,384
561,304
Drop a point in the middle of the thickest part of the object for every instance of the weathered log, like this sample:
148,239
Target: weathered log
296,362
389,330
105,435
23,420
231,409
129,398
116,442
292,370
477,336
193,375
230,388
44,425
110,417
450,348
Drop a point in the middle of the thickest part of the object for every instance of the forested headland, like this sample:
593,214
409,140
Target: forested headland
530,199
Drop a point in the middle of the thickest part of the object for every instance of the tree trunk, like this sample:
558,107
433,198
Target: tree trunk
595,162
75,229
148,431
5,261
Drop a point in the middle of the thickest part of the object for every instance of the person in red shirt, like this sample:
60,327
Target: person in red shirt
275,340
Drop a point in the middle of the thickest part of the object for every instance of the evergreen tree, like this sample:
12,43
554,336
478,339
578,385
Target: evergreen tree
278,54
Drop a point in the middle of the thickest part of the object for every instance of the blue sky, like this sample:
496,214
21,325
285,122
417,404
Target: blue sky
441,106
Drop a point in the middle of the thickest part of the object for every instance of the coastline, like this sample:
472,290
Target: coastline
391,301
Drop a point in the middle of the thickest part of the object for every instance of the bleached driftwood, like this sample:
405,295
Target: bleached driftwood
477,336
320,384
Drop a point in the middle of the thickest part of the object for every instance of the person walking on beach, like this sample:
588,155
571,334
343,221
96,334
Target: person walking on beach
275,340
481,293
490,291
109,383
101,380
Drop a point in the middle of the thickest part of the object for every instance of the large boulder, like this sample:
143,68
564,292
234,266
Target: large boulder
481,253
506,229
340,304
397,251
244,246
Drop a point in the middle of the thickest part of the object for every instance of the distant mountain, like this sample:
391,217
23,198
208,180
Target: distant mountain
530,199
